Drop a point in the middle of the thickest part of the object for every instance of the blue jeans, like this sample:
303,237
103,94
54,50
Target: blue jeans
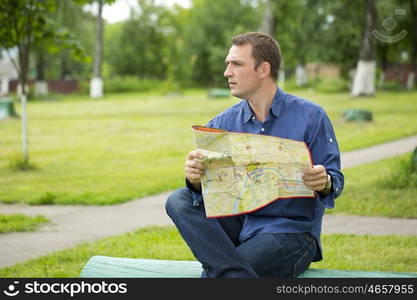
215,243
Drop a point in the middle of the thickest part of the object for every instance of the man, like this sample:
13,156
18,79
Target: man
282,238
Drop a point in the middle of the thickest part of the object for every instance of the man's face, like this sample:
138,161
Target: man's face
240,71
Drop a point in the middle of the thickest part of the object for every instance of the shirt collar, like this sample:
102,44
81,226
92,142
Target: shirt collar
276,106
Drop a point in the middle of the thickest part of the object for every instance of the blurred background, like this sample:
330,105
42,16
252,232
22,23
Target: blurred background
95,47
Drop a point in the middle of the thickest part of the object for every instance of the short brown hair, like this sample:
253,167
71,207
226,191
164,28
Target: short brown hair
264,48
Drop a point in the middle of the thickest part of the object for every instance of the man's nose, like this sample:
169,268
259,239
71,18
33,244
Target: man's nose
228,72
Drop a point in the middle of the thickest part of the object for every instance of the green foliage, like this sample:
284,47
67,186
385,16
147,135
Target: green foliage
187,46
24,24
383,188
208,33
320,85
137,47
22,20
402,176
130,84
392,86
47,198
71,59
340,33
17,163
184,46
371,253
20,222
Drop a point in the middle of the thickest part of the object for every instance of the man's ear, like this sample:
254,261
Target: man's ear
265,69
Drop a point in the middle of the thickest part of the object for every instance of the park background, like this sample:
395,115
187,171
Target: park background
99,113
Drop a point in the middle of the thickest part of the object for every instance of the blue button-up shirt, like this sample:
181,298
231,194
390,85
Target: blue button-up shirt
289,117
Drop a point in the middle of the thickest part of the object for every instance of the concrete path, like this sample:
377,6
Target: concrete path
374,153
72,225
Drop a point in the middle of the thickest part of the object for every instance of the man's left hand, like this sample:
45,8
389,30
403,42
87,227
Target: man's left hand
315,178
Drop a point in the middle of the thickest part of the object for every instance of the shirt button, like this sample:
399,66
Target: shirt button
253,118
331,140
262,129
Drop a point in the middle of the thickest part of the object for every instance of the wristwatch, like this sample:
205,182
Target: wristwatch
328,185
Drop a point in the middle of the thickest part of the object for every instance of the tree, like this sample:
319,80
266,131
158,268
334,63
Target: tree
23,25
137,47
78,25
339,34
269,26
269,20
301,42
208,31
96,84
364,80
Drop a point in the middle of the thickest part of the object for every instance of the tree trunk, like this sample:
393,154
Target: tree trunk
269,24
411,78
269,20
364,80
96,84
41,86
384,64
300,75
24,67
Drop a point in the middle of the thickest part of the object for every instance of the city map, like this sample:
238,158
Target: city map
245,172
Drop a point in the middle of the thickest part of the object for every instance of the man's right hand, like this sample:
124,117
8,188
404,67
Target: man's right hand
194,169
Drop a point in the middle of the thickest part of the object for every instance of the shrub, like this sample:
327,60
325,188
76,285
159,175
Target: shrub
404,175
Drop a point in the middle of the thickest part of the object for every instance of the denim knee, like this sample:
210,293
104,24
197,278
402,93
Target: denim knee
178,201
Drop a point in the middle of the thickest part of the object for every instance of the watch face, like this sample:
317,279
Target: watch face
328,183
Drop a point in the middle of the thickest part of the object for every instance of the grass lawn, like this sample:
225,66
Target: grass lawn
371,253
20,222
127,146
394,116
368,191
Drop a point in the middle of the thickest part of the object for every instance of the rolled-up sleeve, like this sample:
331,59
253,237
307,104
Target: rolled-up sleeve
325,151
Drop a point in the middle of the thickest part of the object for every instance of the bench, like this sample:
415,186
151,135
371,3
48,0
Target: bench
118,267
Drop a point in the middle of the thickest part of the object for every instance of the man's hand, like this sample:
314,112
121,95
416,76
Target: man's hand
315,178
194,169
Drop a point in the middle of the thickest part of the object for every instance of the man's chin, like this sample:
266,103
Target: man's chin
235,93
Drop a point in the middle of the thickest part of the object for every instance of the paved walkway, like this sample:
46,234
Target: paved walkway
72,225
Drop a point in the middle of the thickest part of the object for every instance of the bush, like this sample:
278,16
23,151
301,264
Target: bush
392,86
129,84
404,176
126,84
330,85
17,163
322,85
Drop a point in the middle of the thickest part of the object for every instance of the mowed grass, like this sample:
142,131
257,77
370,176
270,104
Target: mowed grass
371,253
102,151
394,116
20,222
368,191
128,146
